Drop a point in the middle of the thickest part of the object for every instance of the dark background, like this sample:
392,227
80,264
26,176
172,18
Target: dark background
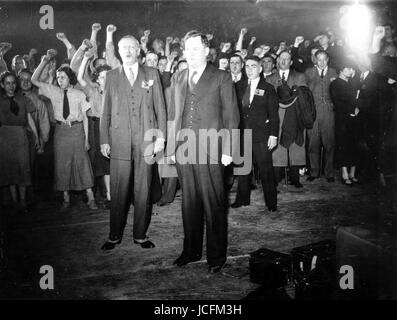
269,21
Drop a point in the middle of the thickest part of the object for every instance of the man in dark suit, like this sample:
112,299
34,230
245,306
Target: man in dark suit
133,103
294,156
202,98
370,101
319,79
259,113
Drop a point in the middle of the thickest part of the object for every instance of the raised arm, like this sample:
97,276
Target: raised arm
94,32
168,42
111,59
239,44
70,48
4,47
82,76
44,61
78,56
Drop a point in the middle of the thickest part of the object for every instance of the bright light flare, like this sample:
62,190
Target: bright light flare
356,20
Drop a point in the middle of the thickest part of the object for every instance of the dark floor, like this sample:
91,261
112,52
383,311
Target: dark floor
70,243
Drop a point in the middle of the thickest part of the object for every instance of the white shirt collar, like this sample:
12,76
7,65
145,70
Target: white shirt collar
198,70
319,70
286,74
134,69
365,74
254,85
238,77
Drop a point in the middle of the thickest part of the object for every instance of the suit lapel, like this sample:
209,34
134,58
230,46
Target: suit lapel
256,97
204,83
137,87
180,93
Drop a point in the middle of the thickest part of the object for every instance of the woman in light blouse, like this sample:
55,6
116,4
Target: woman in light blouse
72,165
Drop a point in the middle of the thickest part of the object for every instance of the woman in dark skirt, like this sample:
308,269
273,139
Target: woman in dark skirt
15,117
94,91
343,95
72,165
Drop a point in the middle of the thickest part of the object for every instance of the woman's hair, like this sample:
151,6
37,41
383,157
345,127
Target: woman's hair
98,70
6,74
14,61
69,72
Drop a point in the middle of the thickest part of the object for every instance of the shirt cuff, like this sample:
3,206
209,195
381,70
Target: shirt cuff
273,137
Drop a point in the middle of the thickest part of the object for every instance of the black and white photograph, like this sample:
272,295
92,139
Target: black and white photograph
204,155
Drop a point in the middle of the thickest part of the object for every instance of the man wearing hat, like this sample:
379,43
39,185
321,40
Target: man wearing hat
259,113
291,155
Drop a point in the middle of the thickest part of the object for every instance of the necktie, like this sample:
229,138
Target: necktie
131,77
192,83
283,77
13,106
66,110
246,97
322,73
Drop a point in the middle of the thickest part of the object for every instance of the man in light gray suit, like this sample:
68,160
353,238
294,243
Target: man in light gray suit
133,103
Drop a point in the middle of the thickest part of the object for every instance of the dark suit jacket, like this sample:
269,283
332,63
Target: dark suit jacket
216,101
240,87
262,116
118,106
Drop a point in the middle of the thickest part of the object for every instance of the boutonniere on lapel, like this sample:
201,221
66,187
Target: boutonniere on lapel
147,84
259,92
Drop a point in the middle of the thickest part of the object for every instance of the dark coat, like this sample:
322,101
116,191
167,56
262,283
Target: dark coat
262,115
216,102
297,155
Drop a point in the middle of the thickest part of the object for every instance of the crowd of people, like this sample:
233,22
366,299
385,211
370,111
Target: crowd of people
298,99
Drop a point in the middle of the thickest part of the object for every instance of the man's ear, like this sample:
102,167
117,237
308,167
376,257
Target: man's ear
2,85
260,69
291,62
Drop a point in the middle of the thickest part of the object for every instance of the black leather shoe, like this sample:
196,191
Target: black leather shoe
109,245
297,184
311,178
330,179
272,209
215,269
238,204
184,260
147,244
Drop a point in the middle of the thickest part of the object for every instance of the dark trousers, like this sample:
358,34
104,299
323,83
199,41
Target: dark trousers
169,189
203,198
155,194
293,172
322,133
130,182
263,159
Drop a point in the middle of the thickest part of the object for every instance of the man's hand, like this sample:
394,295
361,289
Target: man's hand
176,40
87,145
86,44
226,160
61,36
111,28
244,53
169,40
209,36
89,53
146,33
105,150
272,142
33,51
265,49
243,31
379,32
253,39
96,27
298,41
144,40
226,47
51,53
158,146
